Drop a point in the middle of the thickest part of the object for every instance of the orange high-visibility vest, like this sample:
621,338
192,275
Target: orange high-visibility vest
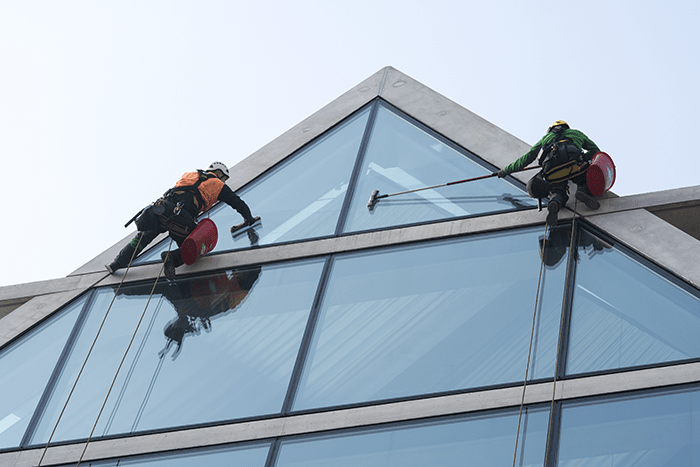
208,188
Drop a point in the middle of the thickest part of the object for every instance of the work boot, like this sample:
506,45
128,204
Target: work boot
553,212
168,265
112,267
588,199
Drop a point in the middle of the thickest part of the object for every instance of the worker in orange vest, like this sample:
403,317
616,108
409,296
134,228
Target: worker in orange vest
176,213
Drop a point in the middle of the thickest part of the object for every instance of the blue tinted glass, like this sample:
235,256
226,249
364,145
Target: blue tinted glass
239,341
478,441
649,431
626,315
431,318
400,157
217,457
301,198
25,368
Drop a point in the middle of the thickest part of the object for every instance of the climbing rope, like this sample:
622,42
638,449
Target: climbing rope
121,363
92,346
561,328
529,350
532,334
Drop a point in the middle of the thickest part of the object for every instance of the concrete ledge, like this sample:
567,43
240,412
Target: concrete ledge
656,240
34,289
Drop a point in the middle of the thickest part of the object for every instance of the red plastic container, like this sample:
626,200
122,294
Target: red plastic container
600,176
200,241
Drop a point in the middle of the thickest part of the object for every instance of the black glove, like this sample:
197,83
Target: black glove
501,173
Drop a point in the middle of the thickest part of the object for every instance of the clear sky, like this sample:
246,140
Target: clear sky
104,104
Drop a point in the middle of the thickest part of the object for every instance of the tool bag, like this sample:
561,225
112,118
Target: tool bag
563,160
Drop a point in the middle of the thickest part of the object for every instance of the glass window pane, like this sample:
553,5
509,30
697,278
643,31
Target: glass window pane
400,157
639,432
432,318
25,368
301,198
480,441
216,457
239,342
626,315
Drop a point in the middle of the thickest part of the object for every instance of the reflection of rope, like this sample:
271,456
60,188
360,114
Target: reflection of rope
70,394
529,351
130,373
123,358
559,345
148,393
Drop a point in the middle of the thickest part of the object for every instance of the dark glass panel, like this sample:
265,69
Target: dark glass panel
430,318
484,441
400,157
624,314
640,432
239,332
25,368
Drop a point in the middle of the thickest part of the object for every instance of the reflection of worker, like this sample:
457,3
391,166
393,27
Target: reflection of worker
555,246
198,300
564,154
175,213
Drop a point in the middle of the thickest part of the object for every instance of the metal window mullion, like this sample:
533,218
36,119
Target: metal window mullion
307,338
359,161
554,434
568,301
273,454
58,369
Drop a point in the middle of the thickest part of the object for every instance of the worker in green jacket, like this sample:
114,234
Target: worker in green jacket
564,154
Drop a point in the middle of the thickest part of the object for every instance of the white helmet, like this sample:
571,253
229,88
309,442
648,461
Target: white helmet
216,165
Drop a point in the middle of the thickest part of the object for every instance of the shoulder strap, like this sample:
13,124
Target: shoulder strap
194,189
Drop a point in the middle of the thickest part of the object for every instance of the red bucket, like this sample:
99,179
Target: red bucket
600,176
200,241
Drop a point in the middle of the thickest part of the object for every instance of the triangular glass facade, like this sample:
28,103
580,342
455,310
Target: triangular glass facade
407,351
323,189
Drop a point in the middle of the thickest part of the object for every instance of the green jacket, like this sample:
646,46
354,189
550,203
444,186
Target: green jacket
580,140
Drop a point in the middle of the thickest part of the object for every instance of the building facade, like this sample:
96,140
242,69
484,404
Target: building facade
443,326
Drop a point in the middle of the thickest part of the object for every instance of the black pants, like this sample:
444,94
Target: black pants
559,192
179,232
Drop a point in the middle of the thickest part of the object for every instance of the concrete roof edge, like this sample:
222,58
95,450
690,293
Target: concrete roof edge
28,290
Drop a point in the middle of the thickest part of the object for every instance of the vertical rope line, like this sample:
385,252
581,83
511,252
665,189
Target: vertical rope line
572,259
99,330
529,350
114,380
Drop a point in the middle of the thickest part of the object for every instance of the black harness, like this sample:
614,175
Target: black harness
562,160
170,212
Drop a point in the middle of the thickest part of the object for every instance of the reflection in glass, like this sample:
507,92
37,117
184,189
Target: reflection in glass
25,368
216,457
432,318
480,441
400,157
640,432
626,315
210,348
301,198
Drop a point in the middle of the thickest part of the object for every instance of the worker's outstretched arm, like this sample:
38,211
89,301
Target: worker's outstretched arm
229,197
